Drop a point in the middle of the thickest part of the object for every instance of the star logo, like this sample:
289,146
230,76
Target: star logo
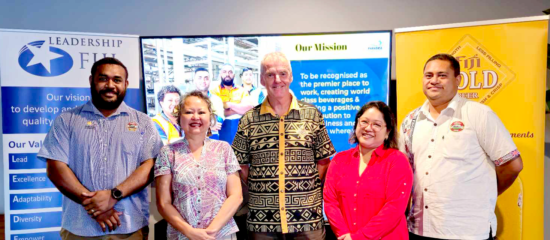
42,55
41,59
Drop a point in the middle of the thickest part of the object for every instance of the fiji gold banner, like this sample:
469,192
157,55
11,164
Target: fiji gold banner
503,65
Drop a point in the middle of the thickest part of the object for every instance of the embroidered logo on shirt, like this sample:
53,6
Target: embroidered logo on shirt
89,125
132,126
457,126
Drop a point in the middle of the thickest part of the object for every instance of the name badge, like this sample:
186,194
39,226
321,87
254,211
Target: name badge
89,125
132,126
457,126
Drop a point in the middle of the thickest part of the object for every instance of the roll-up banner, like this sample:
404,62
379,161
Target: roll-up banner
43,74
503,65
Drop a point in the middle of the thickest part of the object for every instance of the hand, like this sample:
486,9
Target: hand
216,127
345,237
198,234
98,202
228,112
109,219
228,105
212,231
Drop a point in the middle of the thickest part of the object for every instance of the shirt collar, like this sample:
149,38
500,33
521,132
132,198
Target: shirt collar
90,107
266,107
378,152
425,109
186,142
251,89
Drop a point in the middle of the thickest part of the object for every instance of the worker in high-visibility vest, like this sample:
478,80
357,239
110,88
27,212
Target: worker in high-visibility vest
166,121
232,97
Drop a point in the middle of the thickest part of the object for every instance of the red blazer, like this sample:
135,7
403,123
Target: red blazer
370,206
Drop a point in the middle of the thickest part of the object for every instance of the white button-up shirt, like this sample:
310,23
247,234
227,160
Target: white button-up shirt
455,186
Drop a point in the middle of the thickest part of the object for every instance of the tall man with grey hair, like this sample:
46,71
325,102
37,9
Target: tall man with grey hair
283,148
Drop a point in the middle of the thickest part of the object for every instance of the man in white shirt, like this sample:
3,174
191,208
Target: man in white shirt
462,157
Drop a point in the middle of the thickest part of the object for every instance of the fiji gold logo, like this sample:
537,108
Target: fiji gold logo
483,74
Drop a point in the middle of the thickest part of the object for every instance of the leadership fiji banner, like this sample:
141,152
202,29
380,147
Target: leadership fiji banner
503,65
44,74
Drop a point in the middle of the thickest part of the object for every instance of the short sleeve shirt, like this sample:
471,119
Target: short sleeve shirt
103,152
198,186
455,185
283,180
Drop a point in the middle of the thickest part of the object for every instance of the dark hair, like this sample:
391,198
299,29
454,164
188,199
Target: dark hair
455,65
199,94
389,118
201,69
108,60
167,89
245,70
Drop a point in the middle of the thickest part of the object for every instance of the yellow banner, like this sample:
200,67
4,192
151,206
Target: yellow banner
503,65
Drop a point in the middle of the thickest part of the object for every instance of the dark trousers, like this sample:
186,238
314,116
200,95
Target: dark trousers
413,236
313,235
242,234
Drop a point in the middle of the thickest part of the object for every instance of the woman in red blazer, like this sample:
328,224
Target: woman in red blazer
367,187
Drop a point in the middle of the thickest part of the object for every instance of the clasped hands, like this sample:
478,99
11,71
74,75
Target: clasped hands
99,206
201,234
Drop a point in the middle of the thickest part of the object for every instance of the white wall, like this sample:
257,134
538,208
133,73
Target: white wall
208,17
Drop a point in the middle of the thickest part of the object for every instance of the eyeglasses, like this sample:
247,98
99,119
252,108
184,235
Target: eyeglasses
374,125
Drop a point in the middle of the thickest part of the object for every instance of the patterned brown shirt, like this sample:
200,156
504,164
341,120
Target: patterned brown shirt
283,151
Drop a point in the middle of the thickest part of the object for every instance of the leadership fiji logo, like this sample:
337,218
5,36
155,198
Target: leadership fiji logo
483,74
40,59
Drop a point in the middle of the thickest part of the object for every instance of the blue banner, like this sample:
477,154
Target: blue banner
42,75
339,88
25,160
35,220
33,109
37,236
35,200
21,181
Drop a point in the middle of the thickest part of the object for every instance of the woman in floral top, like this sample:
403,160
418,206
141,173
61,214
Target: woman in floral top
198,186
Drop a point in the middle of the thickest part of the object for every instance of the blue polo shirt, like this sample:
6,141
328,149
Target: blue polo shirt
102,152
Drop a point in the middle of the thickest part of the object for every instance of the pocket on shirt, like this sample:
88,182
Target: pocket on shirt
131,143
457,144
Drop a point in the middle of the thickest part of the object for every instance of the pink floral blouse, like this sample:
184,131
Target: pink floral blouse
198,186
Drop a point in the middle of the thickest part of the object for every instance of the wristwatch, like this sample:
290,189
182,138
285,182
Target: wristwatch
116,194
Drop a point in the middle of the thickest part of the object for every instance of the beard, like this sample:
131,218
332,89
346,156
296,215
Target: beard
101,103
227,81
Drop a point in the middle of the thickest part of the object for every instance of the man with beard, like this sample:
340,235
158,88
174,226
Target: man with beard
231,97
166,121
202,83
100,156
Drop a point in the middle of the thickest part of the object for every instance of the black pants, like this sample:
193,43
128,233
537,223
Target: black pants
310,235
413,236
242,234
